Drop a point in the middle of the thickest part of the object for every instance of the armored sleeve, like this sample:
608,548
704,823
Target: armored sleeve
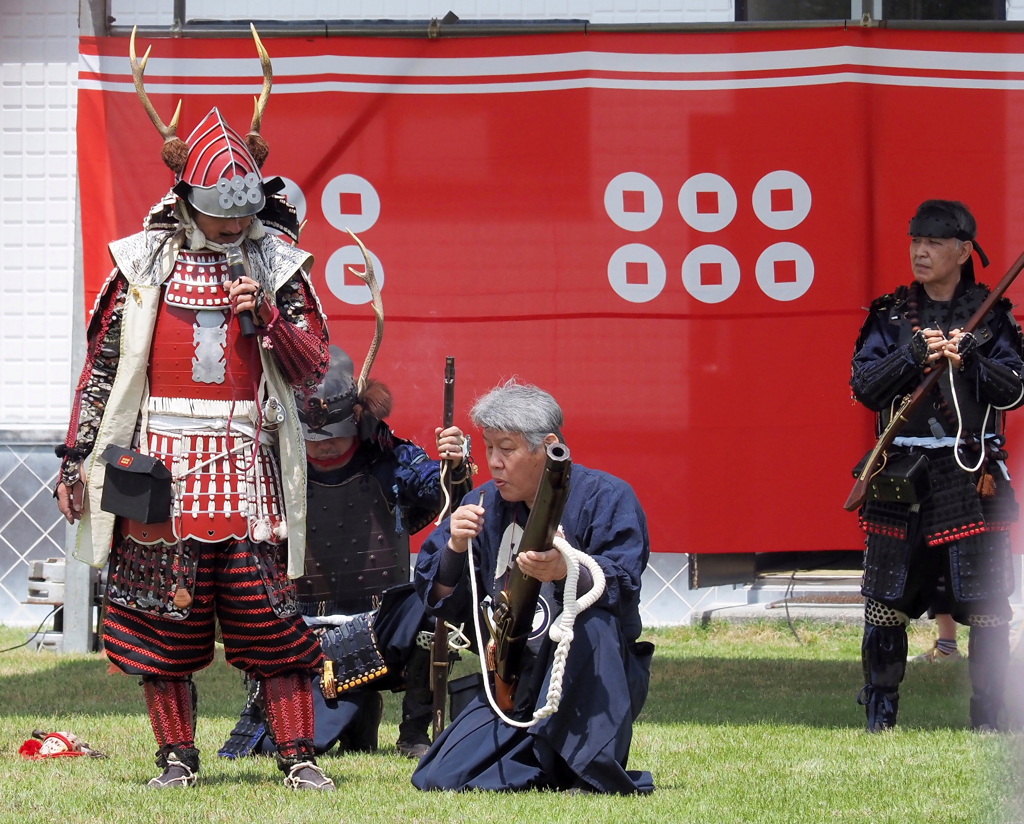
995,367
882,368
103,347
418,485
297,335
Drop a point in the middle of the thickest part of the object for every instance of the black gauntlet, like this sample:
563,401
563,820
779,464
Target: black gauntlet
919,348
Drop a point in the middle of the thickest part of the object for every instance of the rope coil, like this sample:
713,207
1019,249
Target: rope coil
561,631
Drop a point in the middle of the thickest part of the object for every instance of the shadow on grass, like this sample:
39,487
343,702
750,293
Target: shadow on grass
814,693
86,686
684,690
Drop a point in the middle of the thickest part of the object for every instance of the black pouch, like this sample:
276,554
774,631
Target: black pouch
137,486
462,691
903,480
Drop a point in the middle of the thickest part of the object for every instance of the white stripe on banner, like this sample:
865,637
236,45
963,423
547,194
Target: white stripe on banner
472,75
561,85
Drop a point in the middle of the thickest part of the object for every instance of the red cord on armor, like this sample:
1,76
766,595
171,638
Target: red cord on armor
300,353
950,535
289,708
879,529
170,711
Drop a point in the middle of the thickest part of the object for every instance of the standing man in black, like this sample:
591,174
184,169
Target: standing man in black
952,534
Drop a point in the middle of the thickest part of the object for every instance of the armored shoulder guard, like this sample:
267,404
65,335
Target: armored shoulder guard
885,308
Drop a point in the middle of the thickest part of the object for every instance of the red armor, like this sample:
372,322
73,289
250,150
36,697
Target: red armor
203,383
202,353
221,490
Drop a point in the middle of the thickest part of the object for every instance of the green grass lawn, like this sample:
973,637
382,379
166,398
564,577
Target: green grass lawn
746,722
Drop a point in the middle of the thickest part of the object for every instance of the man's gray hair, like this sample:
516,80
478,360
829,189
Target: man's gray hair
519,407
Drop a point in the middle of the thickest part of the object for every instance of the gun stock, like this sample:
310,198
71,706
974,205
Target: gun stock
516,604
876,457
439,646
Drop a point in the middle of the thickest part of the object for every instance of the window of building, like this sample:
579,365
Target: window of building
944,9
786,10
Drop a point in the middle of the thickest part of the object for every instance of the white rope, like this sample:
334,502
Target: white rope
446,507
984,421
458,641
561,632
446,470
960,427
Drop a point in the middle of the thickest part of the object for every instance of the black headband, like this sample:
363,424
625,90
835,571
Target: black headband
937,222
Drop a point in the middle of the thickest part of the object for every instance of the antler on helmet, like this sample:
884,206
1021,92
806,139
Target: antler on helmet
175,150
370,279
254,140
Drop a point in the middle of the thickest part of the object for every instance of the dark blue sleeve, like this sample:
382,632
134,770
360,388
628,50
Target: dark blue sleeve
882,369
608,523
417,485
996,370
458,605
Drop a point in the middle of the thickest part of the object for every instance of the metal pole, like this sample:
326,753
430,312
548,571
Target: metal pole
94,20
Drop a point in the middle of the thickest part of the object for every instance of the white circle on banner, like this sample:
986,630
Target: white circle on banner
785,271
636,273
701,192
350,202
293,194
711,273
345,286
782,200
633,201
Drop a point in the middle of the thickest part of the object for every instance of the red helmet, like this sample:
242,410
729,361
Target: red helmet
221,178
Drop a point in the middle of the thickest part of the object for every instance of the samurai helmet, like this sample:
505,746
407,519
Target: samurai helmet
330,412
221,177
337,408
217,171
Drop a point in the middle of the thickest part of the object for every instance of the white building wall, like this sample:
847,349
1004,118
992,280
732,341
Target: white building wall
147,12
38,69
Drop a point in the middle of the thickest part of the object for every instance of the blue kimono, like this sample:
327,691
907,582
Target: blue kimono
585,745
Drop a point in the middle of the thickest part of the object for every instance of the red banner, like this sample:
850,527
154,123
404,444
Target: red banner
675,234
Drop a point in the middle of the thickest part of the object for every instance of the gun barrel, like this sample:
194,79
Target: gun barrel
516,604
439,647
449,391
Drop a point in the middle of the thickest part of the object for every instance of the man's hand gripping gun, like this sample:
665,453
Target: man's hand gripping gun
515,605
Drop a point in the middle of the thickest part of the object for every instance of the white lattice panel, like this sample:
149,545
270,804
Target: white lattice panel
39,54
150,12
